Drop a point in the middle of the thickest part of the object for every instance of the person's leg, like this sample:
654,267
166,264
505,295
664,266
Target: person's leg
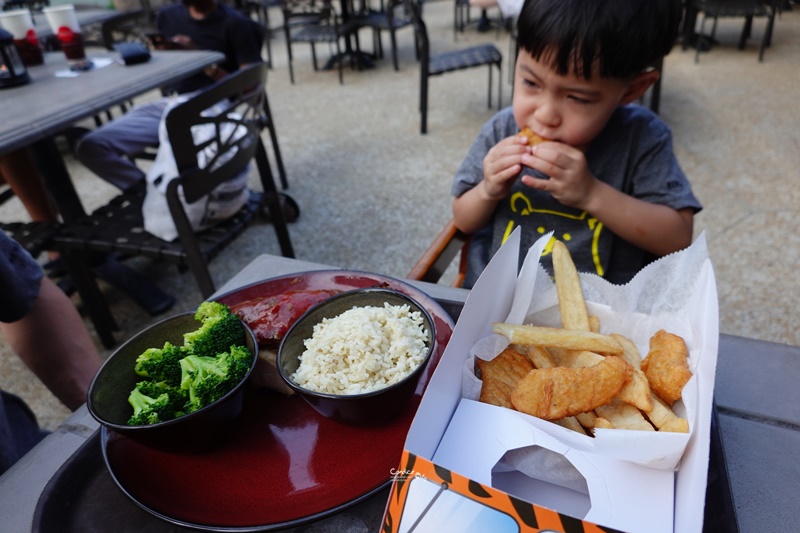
105,150
18,170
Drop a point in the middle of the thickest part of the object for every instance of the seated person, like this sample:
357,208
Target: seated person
605,180
45,330
192,24
18,170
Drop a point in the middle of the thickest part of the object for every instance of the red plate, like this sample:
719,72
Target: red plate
284,464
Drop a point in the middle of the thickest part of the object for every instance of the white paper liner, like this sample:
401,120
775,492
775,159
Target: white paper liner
664,295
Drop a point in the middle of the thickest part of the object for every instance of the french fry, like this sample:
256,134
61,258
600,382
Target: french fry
637,392
594,324
540,357
570,293
602,423
559,338
663,417
623,416
629,351
570,423
587,419
676,425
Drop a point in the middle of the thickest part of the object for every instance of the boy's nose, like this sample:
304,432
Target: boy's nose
547,114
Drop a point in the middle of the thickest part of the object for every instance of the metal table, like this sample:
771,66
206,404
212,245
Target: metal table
758,408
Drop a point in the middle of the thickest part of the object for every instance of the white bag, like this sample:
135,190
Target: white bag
223,202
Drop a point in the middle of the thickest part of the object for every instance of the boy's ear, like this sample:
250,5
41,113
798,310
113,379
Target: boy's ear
639,85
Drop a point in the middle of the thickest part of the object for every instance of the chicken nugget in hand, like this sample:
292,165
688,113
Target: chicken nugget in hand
533,139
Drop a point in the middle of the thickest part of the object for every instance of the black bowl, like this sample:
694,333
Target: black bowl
370,408
108,394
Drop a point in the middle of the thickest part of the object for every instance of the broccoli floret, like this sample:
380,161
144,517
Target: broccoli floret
154,402
219,330
162,364
207,379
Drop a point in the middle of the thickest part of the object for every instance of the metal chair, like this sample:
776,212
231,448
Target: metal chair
390,17
316,21
747,9
117,228
438,64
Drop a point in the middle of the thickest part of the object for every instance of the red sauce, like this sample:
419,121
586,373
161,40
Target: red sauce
271,317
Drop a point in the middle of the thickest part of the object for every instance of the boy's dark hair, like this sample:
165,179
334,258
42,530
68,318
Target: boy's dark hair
623,36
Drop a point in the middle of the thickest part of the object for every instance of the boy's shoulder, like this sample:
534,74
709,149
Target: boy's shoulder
501,125
635,115
632,124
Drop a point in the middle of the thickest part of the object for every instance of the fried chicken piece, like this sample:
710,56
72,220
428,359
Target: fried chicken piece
553,393
533,139
667,366
501,375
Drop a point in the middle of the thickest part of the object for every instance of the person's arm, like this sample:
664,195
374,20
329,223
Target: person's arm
52,340
658,229
503,162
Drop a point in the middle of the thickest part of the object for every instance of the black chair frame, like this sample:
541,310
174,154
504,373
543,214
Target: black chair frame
390,18
747,9
434,65
117,228
316,21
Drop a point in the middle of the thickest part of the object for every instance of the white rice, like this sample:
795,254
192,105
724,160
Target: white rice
362,350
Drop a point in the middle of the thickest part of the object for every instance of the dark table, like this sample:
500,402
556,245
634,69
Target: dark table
35,112
758,406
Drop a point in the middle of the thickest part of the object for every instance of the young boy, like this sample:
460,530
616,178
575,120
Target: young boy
605,180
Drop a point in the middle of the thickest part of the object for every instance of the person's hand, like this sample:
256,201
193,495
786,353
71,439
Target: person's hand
182,42
571,182
501,166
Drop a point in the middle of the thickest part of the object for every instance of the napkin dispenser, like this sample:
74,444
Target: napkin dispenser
132,53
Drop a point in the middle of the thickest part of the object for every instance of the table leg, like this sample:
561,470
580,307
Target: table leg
56,176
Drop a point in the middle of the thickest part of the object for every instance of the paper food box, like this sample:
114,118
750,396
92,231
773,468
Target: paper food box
471,466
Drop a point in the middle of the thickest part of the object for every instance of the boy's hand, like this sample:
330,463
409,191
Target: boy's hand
571,182
502,164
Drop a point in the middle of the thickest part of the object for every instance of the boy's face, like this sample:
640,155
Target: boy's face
567,109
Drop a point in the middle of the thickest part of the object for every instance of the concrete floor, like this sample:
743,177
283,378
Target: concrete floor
374,192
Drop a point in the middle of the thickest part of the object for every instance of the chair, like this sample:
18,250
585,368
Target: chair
390,17
748,9
442,251
263,32
258,10
130,26
461,16
316,21
117,228
464,58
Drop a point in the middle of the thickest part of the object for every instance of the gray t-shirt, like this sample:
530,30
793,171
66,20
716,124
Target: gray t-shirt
633,153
